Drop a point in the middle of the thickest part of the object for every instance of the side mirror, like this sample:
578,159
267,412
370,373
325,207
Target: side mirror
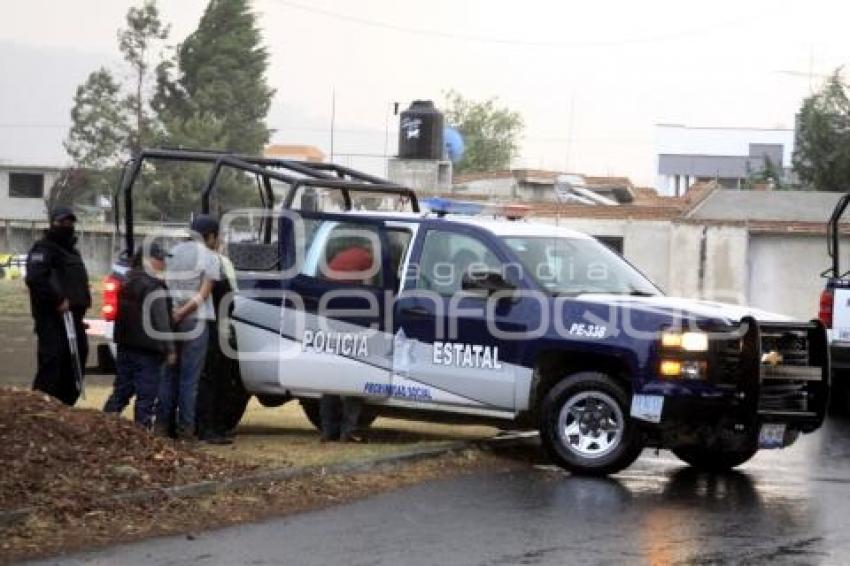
486,282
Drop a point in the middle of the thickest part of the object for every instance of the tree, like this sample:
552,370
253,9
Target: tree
66,189
107,119
98,123
95,142
822,150
220,72
143,30
490,132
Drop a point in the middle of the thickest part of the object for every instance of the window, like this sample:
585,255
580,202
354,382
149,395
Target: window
614,243
398,239
448,256
577,265
344,252
26,185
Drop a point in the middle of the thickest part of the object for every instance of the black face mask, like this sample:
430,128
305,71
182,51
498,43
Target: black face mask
63,233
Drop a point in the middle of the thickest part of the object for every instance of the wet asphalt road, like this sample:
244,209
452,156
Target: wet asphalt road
784,507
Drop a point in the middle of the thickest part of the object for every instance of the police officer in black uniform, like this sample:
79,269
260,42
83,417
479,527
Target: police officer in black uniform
58,282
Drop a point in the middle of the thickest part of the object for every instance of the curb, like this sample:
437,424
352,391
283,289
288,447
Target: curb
8,518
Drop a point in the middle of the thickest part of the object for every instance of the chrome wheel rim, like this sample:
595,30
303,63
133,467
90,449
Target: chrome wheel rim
591,424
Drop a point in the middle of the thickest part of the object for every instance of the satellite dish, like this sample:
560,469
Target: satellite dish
453,141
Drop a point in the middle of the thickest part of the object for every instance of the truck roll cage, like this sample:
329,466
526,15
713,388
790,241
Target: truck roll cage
296,174
832,237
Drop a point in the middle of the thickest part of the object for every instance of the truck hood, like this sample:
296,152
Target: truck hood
685,308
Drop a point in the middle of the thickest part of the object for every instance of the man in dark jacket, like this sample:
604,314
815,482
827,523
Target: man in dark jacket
143,336
58,283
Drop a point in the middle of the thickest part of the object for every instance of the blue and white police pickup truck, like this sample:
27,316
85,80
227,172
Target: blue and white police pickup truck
467,313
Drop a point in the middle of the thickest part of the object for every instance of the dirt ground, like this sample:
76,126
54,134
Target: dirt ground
282,436
48,534
68,460
48,450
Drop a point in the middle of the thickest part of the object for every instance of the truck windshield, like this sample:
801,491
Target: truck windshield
574,265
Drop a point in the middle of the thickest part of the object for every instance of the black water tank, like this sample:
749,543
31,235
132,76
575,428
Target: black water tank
420,134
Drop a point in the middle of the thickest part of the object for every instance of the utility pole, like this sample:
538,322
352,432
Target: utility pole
333,120
394,106
570,132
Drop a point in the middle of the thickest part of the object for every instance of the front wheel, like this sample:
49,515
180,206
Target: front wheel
711,459
585,427
839,397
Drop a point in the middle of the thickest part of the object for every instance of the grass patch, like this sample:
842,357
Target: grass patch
15,298
282,436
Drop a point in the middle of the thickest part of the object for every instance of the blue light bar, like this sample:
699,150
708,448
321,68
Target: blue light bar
442,206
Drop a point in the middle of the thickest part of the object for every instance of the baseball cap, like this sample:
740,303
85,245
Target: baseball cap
205,224
154,250
62,213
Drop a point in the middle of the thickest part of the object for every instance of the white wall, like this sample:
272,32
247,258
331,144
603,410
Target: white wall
778,273
784,272
16,208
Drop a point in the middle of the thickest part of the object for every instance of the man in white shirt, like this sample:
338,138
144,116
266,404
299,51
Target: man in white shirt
191,272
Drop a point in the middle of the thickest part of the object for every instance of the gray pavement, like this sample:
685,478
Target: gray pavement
784,507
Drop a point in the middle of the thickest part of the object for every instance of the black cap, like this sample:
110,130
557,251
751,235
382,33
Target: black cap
205,224
62,213
154,250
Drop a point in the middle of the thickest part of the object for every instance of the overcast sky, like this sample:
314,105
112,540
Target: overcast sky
591,79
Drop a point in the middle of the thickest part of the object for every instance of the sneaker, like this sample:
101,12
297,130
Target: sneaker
353,438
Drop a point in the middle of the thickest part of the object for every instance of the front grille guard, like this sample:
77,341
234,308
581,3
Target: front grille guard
779,371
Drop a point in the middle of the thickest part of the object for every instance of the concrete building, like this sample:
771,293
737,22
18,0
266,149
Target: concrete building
534,186
295,152
426,176
23,189
729,156
765,249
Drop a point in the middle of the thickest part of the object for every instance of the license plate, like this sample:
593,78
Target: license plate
772,435
647,407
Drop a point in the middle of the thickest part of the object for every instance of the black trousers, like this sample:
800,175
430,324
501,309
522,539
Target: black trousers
55,374
340,416
214,389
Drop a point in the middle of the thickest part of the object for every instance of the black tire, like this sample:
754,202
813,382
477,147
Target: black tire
839,396
234,399
311,411
711,459
272,400
599,390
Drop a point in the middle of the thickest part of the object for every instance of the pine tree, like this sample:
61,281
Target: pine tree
221,75
98,122
822,146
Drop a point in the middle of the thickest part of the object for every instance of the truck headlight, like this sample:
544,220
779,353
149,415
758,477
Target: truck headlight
691,341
